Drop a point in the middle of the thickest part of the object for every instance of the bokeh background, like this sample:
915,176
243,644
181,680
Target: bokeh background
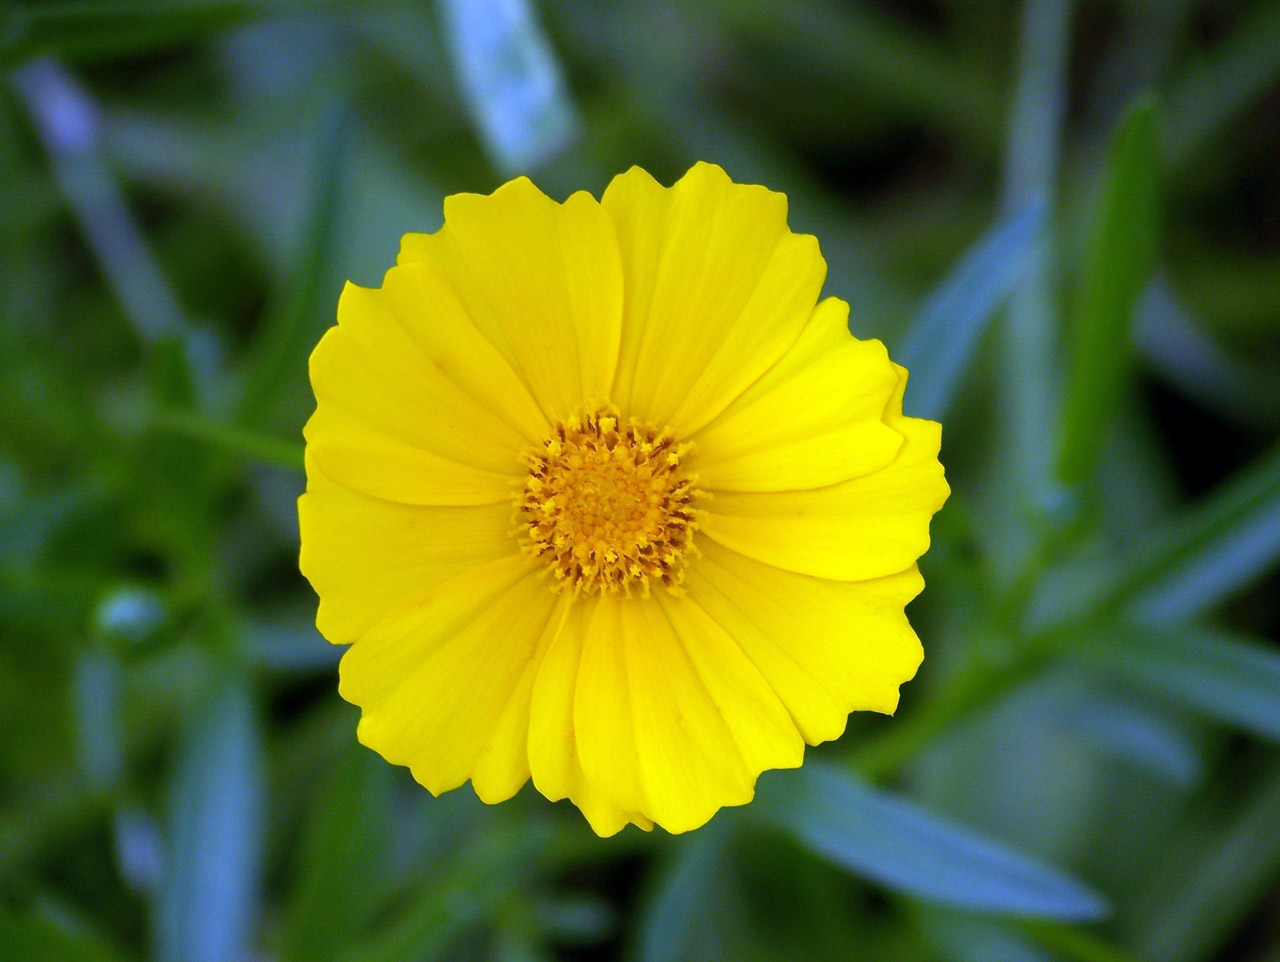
1065,217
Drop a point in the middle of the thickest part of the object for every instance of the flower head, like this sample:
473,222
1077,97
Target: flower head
601,494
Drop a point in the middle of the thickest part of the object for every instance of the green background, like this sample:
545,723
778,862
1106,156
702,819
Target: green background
1065,218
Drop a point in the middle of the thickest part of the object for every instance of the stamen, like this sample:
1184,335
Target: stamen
607,505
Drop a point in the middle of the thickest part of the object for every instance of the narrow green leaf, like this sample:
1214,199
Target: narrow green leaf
939,344
1223,83
1039,101
289,644
99,678
1235,558
341,875
961,937
1232,877
1138,737
891,840
1177,347
245,444
293,322
38,938
694,906
68,122
1199,558
1120,261
102,28
207,904
1017,495
861,47
1231,679
41,817
460,896
1073,944
511,79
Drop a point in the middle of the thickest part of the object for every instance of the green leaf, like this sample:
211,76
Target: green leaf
1231,679
68,121
1138,737
1201,557
341,874
1224,82
99,678
890,840
460,895
1074,944
511,79
1026,366
859,47
960,937
1231,880
1179,348
290,644
38,938
105,28
209,899
939,344
293,322
243,444
1120,261
696,910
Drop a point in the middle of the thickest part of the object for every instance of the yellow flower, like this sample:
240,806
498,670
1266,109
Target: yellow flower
600,493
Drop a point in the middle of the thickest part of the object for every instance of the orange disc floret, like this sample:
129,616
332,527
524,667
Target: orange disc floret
607,505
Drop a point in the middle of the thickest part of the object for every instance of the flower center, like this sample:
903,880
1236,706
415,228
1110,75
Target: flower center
607,505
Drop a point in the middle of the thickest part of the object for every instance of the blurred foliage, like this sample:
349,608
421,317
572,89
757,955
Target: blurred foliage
1065,216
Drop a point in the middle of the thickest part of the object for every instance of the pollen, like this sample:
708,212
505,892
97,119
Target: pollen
607,505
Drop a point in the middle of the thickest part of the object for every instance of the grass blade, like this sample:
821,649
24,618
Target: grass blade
462,895
68,123
1073,944
512,81
1121,257
244,444
942,338
1139,738
293,322
1231,879
1225,83
1185,568
108,28
860,47
1022,462
1177,348
207,906
697,904
906,848
1230,679
341,875
38,938
1216,548
961,937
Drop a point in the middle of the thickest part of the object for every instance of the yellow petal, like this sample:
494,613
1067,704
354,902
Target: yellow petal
386,467
503,765
368,558
602,722
435,683
826,647
717,289
413,404
553,753
541,280
868,527
671,720
815,419
762,730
